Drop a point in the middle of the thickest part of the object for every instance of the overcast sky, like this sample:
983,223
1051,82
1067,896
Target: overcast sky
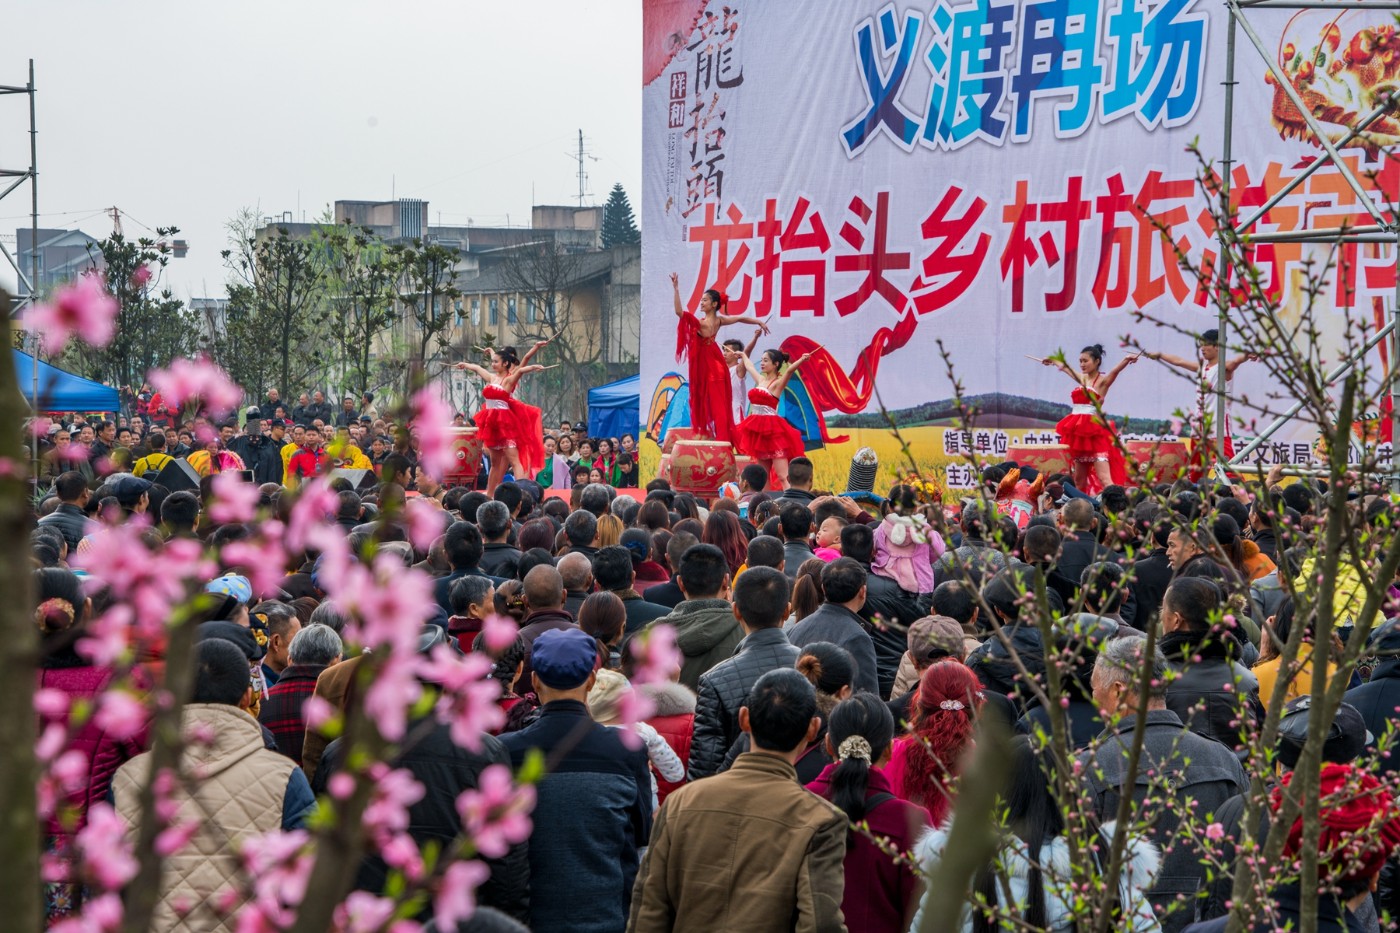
183,113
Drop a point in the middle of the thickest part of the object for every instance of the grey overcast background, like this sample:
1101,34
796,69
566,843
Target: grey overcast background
182,113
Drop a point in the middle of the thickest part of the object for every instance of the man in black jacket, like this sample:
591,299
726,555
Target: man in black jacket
799,491
1213,694
464,549
612,571
796,523
836,620
1152,571
319,410
259,453
1079,548
69,518
669,594
1378,698
500,558
889,609
761,599
299,413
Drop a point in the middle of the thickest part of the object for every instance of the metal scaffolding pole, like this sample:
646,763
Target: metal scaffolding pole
1380,231
31,282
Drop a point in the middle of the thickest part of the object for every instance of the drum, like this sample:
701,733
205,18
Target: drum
466,458
701,467
1046,458
1162,461
676,435
663,471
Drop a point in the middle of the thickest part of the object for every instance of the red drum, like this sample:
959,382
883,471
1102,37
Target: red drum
1164,461
663,471
466,458
676,435
1046,458
740,461
701,467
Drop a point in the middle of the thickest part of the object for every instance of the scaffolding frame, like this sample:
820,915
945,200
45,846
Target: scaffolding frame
1381,231
30,283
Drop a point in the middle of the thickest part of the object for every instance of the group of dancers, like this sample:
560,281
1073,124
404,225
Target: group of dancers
1096,458
512,431
715,373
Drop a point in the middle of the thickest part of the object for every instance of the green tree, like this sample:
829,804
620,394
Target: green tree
618,224
286,276
153,327
429,294
239,343
361,279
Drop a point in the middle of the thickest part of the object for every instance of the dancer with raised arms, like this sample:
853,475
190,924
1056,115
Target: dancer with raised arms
711,395
765,435
1092,439
510,430
1207,370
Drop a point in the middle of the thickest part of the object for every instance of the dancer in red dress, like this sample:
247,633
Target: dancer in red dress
711,398
1092,439
511,430
765,435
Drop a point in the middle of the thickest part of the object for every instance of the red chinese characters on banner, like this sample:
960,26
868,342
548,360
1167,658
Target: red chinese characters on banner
1127,233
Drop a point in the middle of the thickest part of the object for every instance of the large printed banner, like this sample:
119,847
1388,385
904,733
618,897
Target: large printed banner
913,186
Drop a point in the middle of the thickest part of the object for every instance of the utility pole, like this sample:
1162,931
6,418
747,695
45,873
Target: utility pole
20,176
582,175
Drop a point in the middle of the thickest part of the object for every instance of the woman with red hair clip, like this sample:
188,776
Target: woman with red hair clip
924,764
711,402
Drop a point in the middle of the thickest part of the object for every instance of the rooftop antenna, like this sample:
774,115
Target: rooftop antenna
582,175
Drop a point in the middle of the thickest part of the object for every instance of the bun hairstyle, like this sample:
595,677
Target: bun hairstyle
1095,350
829,667
508,356
779,358
717,297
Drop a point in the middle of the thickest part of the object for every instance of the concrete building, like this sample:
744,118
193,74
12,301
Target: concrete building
63,255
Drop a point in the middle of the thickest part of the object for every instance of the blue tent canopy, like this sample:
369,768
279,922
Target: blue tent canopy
614,409
60,390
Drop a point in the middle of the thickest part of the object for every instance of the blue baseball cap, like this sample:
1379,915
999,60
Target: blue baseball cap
231,584
563,658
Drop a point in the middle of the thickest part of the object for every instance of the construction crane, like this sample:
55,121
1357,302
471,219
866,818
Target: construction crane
177,248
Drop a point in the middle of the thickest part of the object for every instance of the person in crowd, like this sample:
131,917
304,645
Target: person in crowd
669,593
472,599
706,629
799,485
889,607
464,551
930,640
313,649
673,718
593,805
278,623
924,765
1195,773
604,616
611,691
613,573
1276,634
1080,546
696,875
270,790
576,571
1033,869
70,518
795,522
880,891
499,557
760,605
157,459
1377,699
976,558
838,620
1212,693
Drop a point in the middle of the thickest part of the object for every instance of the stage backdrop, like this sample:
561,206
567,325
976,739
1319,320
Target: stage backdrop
891,182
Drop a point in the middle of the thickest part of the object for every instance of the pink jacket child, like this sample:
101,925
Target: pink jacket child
905,549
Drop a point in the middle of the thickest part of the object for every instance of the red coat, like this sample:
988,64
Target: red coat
306,463
104,753
674,721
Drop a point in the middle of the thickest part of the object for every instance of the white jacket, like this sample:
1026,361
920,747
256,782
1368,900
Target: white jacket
1141,861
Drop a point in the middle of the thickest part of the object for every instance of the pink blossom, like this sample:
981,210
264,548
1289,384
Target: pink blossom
81,308
51,703
39,427
401,852
496,815
498,632
658,658
317,711
425,522
315,505
98,915
632,708
197,380
120,714
104,848
395,791
174,838
456,896
234,500
263,558
105,639
141,276
1176,426
394,689
50,742
362,912
341,785
432,423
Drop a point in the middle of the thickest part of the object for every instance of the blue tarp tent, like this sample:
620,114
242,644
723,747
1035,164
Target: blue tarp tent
60,390
614,409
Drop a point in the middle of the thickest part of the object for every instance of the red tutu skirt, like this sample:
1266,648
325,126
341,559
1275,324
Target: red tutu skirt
517,425
768,437
1091,440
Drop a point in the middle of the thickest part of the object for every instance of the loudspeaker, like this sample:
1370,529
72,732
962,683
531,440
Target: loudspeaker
179,476
359,480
